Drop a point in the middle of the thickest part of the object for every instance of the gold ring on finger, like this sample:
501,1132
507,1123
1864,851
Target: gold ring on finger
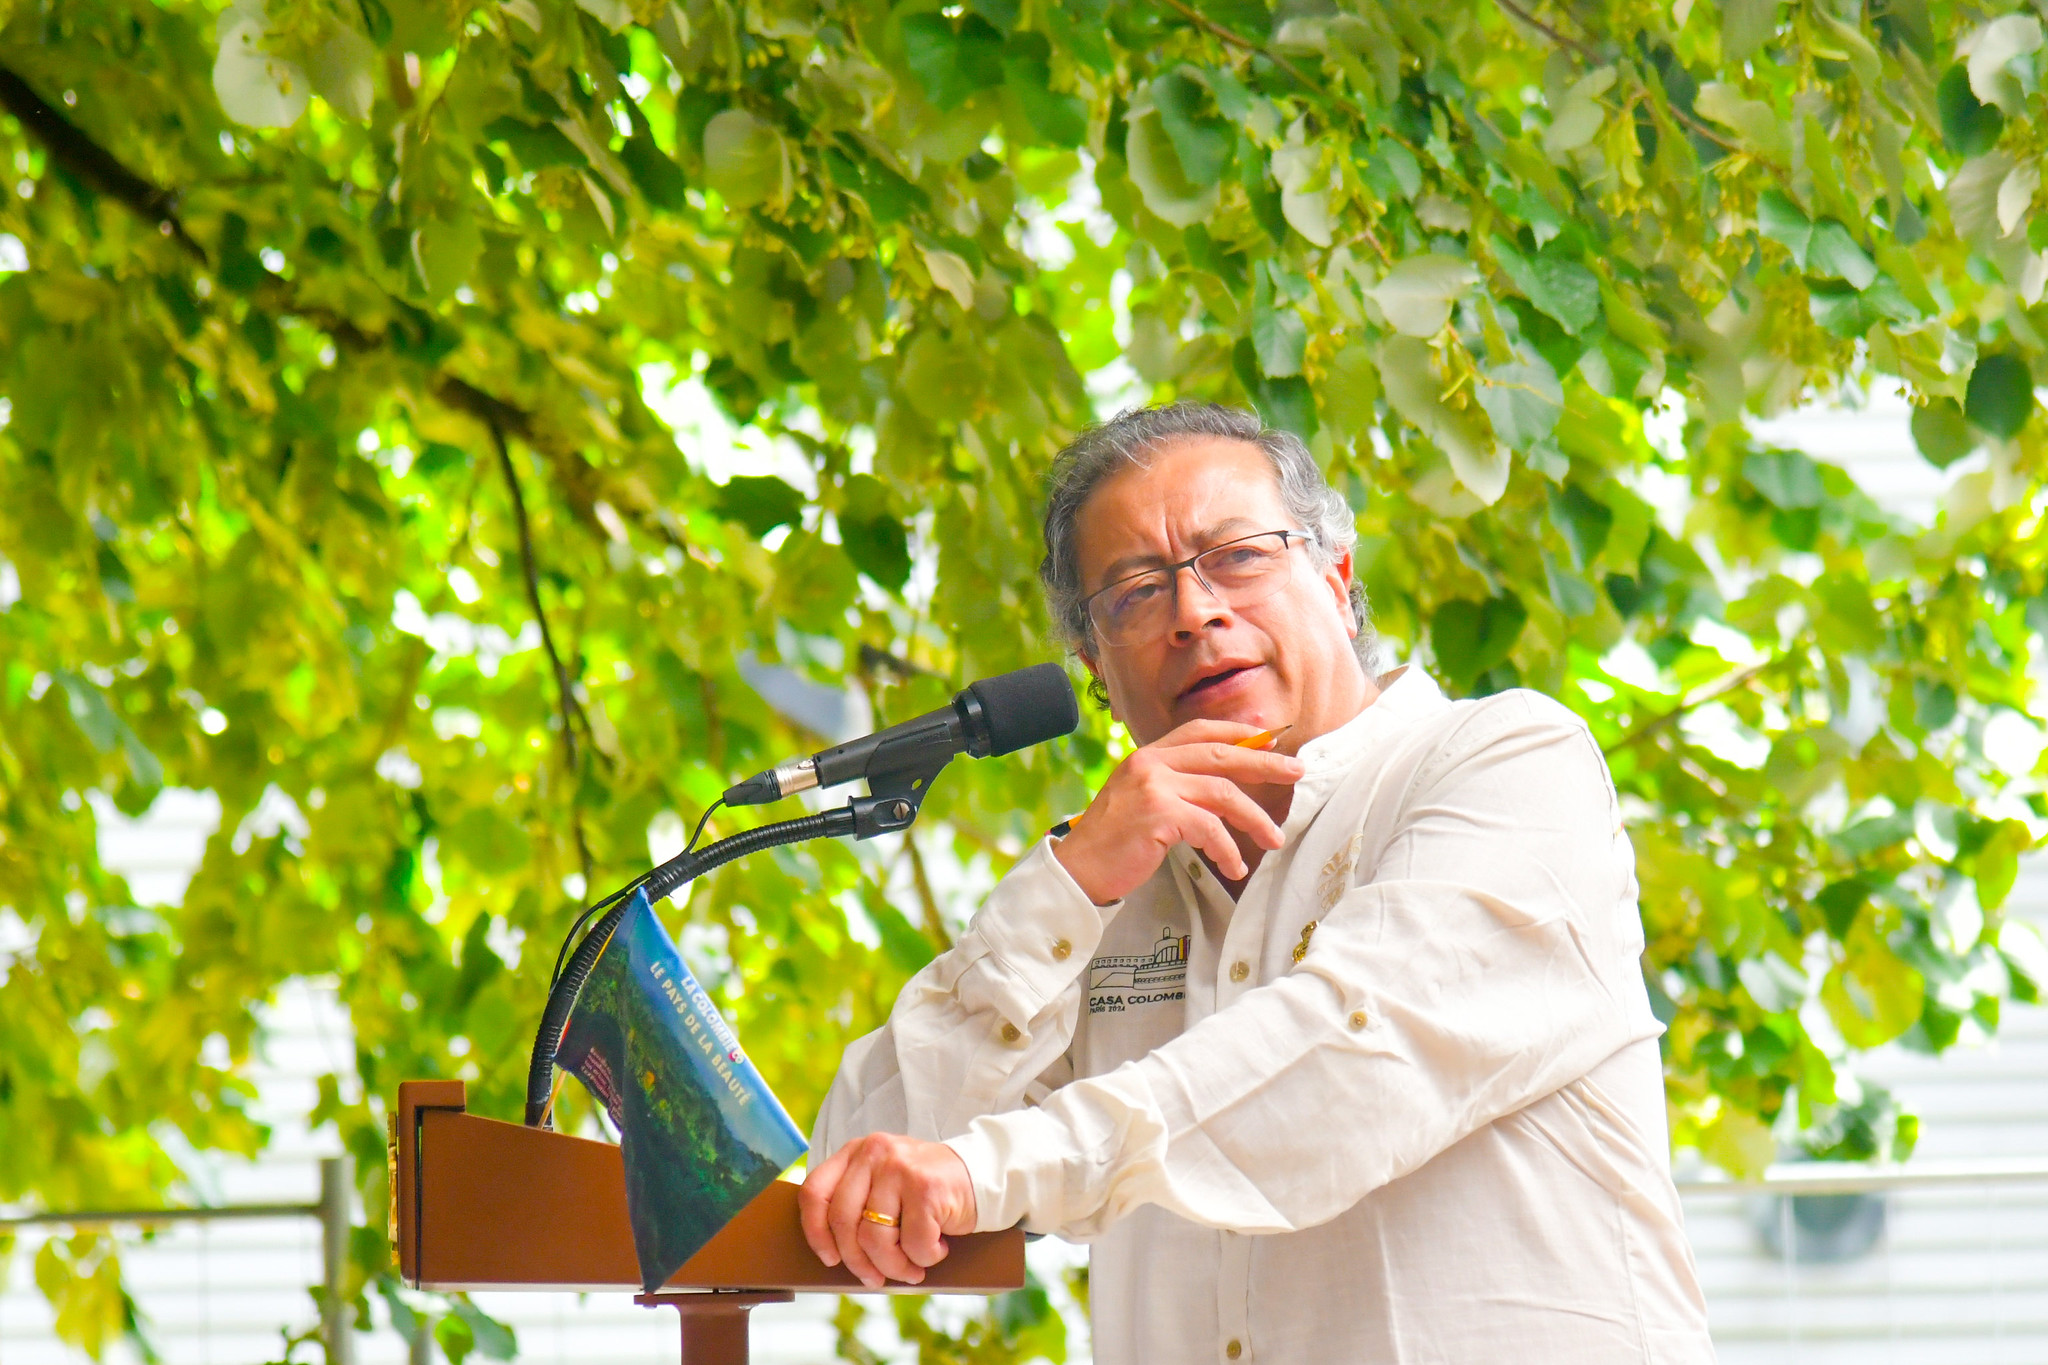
880,1220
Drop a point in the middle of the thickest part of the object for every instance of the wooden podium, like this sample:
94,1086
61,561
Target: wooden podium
482,1204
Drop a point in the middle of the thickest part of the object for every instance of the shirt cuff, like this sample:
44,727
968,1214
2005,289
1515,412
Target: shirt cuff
1039,929
1016,1163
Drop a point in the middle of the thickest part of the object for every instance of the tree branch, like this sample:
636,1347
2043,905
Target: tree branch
78,154
73,150
1210,26
565,685
934,923
1587,51
1517,12
1715,692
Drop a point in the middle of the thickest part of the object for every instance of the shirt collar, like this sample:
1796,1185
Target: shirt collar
1329,759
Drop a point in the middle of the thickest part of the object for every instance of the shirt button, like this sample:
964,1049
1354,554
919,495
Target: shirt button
1011,1033
1061,949
1358,1019
1238,972
1234,1349
1195,871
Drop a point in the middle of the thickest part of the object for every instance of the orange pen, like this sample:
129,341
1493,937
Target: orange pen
1257,741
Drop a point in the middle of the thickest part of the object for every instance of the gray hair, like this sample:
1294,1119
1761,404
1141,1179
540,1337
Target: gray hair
1129,440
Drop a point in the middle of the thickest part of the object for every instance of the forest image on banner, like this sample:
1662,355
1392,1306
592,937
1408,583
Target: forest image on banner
416,414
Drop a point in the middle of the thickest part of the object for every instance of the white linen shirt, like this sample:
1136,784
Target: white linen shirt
1409,1108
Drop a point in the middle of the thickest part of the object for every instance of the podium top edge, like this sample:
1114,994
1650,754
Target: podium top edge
433,1095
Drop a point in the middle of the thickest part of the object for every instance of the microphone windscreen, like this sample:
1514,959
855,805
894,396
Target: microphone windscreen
1027,707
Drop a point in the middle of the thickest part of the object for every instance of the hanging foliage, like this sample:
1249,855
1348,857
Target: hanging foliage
347,349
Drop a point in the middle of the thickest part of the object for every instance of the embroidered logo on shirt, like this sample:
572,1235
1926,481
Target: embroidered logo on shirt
1307,932
1116,984
1336,877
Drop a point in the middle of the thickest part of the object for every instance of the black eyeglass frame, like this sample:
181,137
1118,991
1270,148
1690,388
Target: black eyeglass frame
1172,571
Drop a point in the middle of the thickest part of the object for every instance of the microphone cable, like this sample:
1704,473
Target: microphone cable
569,939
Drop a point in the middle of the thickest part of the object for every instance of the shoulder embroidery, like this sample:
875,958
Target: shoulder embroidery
1336,876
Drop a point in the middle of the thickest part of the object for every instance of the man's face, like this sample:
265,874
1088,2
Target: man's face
1286,660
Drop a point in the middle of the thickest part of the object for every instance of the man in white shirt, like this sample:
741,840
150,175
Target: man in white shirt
1336,1049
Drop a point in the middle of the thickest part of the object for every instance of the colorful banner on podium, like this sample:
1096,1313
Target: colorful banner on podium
700,1131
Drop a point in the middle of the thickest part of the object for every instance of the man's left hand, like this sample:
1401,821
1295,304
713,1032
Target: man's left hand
923,1186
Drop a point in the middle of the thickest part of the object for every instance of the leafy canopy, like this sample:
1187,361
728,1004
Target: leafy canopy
334,478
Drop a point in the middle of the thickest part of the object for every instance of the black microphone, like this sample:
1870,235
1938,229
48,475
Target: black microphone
995,716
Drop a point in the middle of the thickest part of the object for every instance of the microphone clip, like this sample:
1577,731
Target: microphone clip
894,798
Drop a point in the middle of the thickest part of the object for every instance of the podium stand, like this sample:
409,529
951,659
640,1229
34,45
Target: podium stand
482,1204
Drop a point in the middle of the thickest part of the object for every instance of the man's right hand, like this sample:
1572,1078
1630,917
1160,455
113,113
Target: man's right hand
1185,787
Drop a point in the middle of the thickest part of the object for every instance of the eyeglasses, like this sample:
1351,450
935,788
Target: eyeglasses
1240,573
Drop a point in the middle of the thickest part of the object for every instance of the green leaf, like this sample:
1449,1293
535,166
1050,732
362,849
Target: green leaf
1840,902
941,380
1351,390
890,198
1392,171
534,146
1866,837
1941,433
1569,593
1578,115
1523,400
657,177
1413,388
2000,396
342,68
1467,638
614,15
105,730
1166,188
907,948
1306,196
745,160
1970,128
1781,220
1288,404
1745,26
1262,191
1993,49
1872,996
1280,340
1834,252
1998,862
1755,123
1843,311
1004,14
1417,293
1076,25
1061,120
1583,521
1786,479
953,63
488,841
256,87
444,253
455,1338
1934,704
759,502
1563,290
1201,142
872,534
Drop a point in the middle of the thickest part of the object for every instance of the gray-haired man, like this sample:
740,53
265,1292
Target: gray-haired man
1336,1050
